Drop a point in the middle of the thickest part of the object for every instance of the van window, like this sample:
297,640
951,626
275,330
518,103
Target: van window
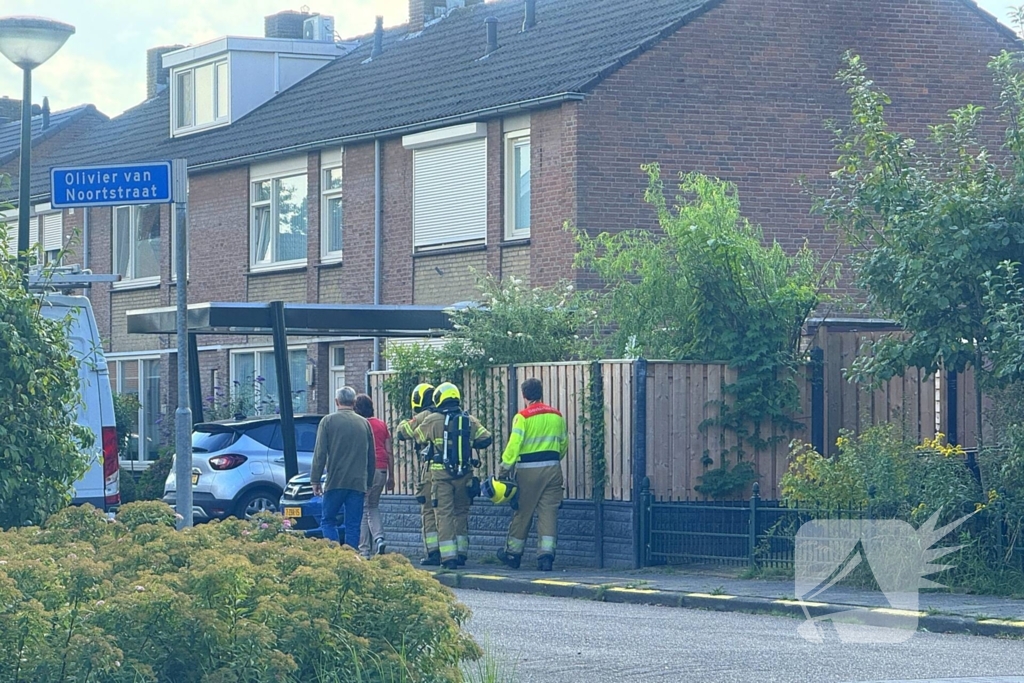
211,441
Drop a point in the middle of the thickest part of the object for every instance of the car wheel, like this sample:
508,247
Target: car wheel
255,502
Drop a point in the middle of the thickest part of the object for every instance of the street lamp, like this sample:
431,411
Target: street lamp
28,42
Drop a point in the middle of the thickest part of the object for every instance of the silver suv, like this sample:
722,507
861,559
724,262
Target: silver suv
238,466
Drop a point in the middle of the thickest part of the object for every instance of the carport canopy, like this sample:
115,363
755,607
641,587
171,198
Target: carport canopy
282,320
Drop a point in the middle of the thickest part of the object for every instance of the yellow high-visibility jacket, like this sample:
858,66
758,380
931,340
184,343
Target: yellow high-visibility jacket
539,435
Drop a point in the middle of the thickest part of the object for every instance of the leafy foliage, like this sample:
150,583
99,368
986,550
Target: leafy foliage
705,288
43,450
85,599
928,223
126,417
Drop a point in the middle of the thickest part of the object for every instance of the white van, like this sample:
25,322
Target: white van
100,485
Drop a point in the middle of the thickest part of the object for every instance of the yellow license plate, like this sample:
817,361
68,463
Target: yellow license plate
195,479
292,513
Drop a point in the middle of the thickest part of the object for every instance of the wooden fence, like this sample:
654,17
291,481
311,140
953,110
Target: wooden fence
679,443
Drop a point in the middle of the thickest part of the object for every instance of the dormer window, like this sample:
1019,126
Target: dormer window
200,96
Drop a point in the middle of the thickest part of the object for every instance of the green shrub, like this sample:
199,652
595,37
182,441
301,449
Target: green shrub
42,446
88,599
151,482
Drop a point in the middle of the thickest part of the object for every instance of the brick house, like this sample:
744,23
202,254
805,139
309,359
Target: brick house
482,146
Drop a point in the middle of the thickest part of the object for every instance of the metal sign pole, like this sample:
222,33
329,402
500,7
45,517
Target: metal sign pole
183,415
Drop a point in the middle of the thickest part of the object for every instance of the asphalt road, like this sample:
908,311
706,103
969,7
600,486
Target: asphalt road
555,640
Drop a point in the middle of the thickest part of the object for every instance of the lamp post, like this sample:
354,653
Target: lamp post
28,42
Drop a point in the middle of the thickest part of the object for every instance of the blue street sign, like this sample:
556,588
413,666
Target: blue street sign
114,185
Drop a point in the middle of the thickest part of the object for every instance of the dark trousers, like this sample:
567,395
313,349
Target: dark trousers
352,502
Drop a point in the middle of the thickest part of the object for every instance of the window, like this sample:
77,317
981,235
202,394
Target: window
137,242
449,186
140,377
52,236
330,230
279,215
517,185
201,96
337,373
254,380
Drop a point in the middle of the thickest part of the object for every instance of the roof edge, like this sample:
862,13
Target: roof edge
55,128
990,18
536,103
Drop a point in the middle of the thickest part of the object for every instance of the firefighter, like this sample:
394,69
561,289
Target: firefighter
422,405
453,433
536,446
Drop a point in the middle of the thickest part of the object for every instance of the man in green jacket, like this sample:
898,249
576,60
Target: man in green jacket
344,445
538,442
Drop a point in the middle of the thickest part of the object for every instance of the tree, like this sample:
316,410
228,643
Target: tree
41,444
705,287
929,224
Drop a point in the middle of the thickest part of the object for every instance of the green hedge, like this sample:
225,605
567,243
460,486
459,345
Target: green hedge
90,600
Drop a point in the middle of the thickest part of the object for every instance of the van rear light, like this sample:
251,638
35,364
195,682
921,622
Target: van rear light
111,468
226,462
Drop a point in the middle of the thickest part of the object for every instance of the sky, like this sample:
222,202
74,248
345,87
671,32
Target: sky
104,63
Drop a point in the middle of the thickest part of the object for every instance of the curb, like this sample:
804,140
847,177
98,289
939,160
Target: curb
558,588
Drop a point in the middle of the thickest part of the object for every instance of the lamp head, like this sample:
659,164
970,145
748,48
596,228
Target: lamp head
30,41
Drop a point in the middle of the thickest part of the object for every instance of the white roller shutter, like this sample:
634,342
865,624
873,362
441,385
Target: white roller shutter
53,231
450,194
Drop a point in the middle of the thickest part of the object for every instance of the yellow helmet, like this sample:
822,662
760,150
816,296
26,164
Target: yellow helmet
422,396
446,391
500,491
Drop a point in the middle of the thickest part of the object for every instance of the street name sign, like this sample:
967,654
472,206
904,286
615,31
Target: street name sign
114,185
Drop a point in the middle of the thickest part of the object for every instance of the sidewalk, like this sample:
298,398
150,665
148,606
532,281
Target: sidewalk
720,589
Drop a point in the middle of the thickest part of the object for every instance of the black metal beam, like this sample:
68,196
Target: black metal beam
284,390
195,384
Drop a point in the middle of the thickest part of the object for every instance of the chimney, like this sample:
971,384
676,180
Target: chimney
422,11
287,24
157,77
46,113
378,38
492,34
10,110
530,18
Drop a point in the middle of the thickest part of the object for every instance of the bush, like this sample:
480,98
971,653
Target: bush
88,599
41,444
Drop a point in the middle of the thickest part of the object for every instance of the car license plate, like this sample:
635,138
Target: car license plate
195,478
292,513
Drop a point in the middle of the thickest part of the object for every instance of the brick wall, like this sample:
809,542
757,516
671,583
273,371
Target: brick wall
488,525
515,261
448,278
290,287
743,92
553,161
120,303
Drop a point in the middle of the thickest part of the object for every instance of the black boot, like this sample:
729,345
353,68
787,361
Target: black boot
433,559
545,563
450,565
461,560
510,561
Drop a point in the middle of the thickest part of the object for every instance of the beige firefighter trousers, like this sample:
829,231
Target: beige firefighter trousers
452,511
540,491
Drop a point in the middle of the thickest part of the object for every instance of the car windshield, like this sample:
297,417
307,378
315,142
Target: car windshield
208,441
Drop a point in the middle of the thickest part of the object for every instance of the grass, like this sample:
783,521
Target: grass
717,590
490,669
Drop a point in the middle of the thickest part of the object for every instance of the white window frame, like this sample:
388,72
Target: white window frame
514,139
129,281
274,172
219,118
117,379
335,369
257,351
328,163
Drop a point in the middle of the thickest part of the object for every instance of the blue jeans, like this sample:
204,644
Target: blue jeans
352,502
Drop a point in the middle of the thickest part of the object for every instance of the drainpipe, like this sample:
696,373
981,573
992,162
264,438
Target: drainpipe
378,238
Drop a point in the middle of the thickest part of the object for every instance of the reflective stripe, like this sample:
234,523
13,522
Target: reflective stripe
532,465
515,546
549,438
547,543
519,431
430,540
462,543
448,549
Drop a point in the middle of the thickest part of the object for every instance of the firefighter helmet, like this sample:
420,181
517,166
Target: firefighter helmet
422,396
446,391
500,491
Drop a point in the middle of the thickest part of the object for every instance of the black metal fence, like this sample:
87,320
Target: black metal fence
739,533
